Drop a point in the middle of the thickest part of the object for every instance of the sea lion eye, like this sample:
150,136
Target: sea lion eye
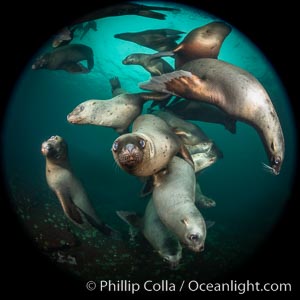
193,237
115,146
142,143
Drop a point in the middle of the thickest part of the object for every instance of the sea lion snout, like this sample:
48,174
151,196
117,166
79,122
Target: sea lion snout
130,155
46,147
276,165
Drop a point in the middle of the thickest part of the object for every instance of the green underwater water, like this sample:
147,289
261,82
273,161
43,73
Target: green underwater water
249,200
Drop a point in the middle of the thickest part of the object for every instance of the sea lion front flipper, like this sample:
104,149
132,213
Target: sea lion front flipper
163,83
231,125
161,54
147,187
185,154
202,200
72,67
69,208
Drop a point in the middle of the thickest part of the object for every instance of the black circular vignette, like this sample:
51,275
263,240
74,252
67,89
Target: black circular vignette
30,26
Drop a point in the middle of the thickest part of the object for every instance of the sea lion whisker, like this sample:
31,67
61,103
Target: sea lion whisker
268,168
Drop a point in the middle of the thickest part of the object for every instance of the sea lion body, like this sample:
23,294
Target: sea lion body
156,39
66,58
155,66
200,111
149,148
202,42
68,189
117,113
174,201
161,239
233,90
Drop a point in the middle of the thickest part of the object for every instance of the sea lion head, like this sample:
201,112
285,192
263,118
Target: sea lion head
128,151
276,163
195,234
55,148
130,59
40,63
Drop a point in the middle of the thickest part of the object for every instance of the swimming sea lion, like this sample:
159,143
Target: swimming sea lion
117,113
124,9
201,42
200,111
233,90
149,148
66,58
203,150
161,239
89,25
68,189
63,37
156,39
155,66
174,200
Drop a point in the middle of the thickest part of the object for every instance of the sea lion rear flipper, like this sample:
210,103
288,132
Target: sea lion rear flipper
130,217
151,14
69,208
161,54
101,226
72,67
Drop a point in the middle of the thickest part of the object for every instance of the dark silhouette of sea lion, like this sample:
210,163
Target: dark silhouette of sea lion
155,66
156,39
66,58
89,25
123,9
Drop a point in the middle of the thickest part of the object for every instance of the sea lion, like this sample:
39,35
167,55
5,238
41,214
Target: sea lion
117,113
201,42
124,9
66,58
89,25
63,37
149,148
160,238
174,200
203,150
200,111
235,91
156,39
67,187
155,66
116,88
